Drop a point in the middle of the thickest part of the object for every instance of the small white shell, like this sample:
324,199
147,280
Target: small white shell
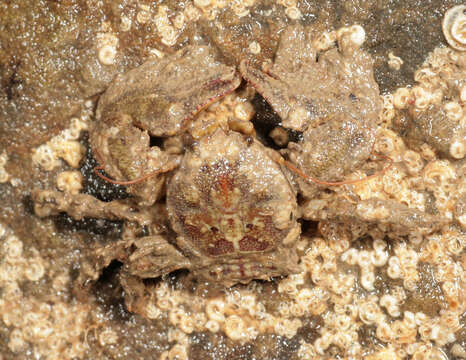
202,3
454,27
293,13
107,54
458,149
358,35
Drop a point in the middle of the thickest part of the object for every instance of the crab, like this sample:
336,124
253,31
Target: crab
212,199
230,213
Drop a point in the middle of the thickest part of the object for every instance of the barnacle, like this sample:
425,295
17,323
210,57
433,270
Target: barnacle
254,48
64,145
143,14
178,352
434,117
165,28
107,48
70,181
422,97
16,341
325,41
235,328
454,27
394,62
353,36
215,310
369,312
108,336
35,269
293,13
458,149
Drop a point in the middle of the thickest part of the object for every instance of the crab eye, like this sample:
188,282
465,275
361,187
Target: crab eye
214,229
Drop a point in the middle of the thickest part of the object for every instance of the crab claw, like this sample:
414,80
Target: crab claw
309,81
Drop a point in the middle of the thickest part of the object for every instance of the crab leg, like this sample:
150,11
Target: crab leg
78,206
169,166
300,173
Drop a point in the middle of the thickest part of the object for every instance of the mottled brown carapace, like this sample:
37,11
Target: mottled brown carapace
230,207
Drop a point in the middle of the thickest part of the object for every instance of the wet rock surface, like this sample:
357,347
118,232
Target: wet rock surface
56,59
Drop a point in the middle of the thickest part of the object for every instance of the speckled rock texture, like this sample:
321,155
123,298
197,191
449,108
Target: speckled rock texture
365,287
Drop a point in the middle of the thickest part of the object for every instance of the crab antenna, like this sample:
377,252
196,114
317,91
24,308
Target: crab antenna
294,169
135,181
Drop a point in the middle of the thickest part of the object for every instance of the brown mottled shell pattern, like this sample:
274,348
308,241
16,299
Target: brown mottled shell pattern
228,204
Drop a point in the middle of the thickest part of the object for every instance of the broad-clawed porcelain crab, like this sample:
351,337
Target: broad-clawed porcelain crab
230,201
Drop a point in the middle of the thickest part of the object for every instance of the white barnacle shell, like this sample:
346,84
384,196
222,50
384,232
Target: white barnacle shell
70,181
422,97
358,35
350,38
325,41
254,48
293,13
107,54
235,328
458,149
202,3
107,44
454,27
453,110
401,98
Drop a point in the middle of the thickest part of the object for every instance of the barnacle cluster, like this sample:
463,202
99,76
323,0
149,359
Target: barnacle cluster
170,23
418,179
64,146
4,176
432,111
242,314
234,112
51,329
